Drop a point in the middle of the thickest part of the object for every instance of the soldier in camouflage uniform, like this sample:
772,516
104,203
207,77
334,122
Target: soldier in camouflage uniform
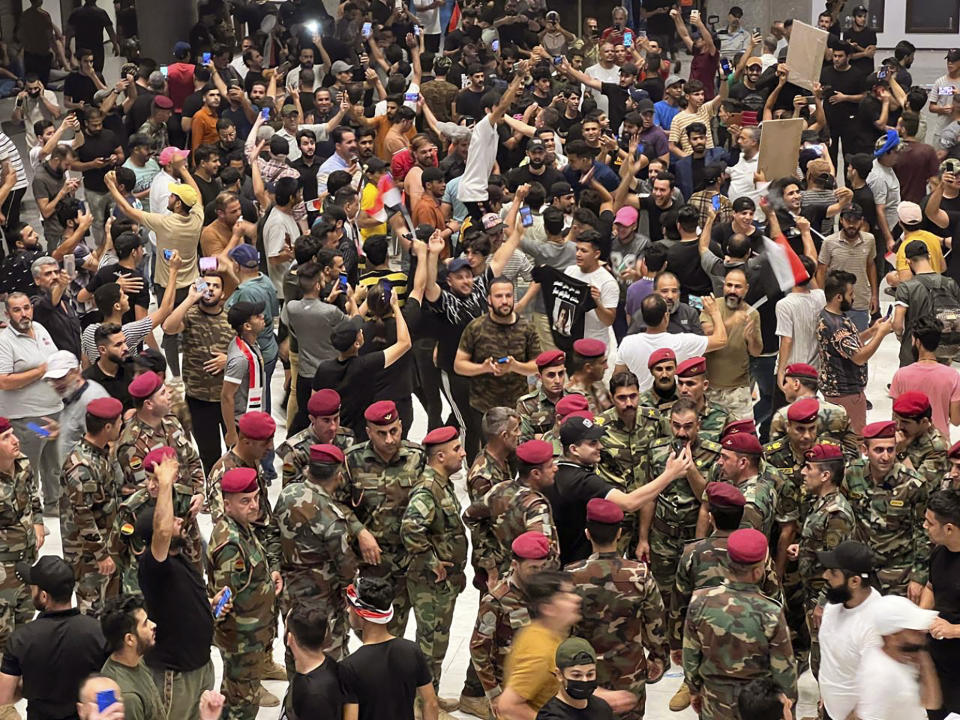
952,479
672,521
734,634
315,531
382,472
150,360
21,534
799,382
889,501
236,559
538,408
325,429
620,604
90,480
588,365
692,383
436,541
828,524
661,396
920,446
503,611
124,544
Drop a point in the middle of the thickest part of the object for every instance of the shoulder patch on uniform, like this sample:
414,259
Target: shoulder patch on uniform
896,503
136,463
239,564
598,420
649,412
711,445
773,446
126,529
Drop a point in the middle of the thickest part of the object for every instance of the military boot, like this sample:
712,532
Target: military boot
476,706
267,698
681,699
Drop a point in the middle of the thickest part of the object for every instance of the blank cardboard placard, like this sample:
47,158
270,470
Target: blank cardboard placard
780,147
805,54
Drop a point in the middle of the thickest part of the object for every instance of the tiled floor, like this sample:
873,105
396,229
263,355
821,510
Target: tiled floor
928,67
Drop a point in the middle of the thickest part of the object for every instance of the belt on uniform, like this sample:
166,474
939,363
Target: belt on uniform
12,556
673,531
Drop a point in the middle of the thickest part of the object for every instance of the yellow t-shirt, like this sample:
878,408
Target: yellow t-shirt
531,664
368,199
933,246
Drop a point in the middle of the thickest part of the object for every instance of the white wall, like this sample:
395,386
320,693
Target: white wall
895,30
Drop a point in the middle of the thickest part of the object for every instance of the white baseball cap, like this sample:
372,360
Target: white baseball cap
892,613
59,364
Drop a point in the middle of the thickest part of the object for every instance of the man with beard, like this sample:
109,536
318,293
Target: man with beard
801,381
101,151
691,378
203,128
662,365
690,169
323,409
683,317
50,187
538,408
129,634
853,251
51,305
15,275
112,369
306,163
728,369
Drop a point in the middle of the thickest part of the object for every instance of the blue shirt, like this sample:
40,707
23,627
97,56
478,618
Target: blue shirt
601,173
663,114
260,289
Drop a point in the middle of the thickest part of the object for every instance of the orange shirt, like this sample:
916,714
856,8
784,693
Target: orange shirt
382,125
203,129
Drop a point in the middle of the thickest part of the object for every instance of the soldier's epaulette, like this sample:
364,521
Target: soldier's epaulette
710,445
500,590
773,446
599,420
649,412
774,600
411,445
661,441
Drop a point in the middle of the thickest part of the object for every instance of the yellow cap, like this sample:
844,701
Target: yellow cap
185,192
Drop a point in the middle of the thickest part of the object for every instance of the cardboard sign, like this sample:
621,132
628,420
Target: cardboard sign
805,54
780,147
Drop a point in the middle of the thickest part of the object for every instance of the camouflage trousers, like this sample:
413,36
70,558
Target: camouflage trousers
16,606
794,607
94,589
241,684
334,607
665,552
720,702
390,569
893,581
433,604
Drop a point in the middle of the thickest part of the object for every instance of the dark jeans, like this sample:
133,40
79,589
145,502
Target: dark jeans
428,382
11,209
267,463
171,343
206,416
39,64
763,370
304,390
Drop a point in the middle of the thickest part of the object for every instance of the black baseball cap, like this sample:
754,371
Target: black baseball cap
560,188
345,333
243,311
953,54
577,429
51,574
850,556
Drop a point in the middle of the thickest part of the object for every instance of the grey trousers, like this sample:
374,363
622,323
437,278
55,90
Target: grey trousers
44,456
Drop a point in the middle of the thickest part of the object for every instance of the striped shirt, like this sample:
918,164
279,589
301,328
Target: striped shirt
398,282
133,332
837,253
682,119
8,151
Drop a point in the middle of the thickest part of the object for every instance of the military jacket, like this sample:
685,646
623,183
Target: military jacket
90,480
832,422
294,452
677,506
650,398
138,438
624,453
928,456
485,472
829,523
598,397
20,509
538,413
503,611
431,528
713,420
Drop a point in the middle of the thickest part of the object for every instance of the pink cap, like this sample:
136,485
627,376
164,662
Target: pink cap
626,216
169,154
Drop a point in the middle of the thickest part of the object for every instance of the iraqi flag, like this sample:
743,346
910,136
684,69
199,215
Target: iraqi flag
454,18
388,198
785,263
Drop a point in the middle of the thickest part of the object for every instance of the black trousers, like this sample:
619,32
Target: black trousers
206,416
304,389
38,64
11,209
428,382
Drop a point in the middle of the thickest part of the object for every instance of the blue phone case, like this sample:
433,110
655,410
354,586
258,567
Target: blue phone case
105,698
38,429
224,599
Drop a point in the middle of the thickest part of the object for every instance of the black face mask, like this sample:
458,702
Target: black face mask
580,689
908,648
838,595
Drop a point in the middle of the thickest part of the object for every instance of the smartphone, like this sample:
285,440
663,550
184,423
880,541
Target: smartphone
201,285
725,66
526,217
889,312
222,602
503,360
343,282
495,45
716,203
19,102
411,97
558,60
756,31
105,698
468,121
882,74
628,39
641,33
163,70
206,58
208,263
38,429
678,446
312,27
398,5
70,265
386,289
366,30
167,254
265,113
695,302
694,14
416,31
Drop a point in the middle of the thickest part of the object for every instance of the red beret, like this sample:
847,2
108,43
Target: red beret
571,403
802,370
911,404
724,494
324,403
327,454
383,412
953,452
535,452
239,480
5,424
691,367
531,545
549,358
604,511
882,429
590,348
747,546
145,384
823,452
739,426
804,410
105,408
257,425
440,435
585,414
659,356
743,443
157,456
163,102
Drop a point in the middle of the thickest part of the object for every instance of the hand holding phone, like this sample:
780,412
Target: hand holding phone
265,114
208,263
167,254
38,429
105,698
343,282
716,203
206,58
222,602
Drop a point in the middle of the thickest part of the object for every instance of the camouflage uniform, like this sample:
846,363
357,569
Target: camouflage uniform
829,523
178,402
139,438
237,559
91,480
928,455
503,611
704,565
676,511
889,517
713,420
20,510
263,526
485,472
295,451
507,511
832,422
650,398
378,493
433,534
620,606
317,558
598,397
552,436
761,495
537,414
734,634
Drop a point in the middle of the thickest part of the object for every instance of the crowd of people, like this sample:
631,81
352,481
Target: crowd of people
641,364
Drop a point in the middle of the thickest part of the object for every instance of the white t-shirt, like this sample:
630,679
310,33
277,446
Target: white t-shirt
634,351
936,123
887,689
429,20
160,196
599,72
481,156
845,634
275,229
609,297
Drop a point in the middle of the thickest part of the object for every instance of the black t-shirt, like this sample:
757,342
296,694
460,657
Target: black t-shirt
519,176
316,694
864,38
308,176
945,579
865,130
660,24
52,655
79,88
395,382
722,232
618,103
752,98
116,385
88,23
951,206
351,378
459,37
209,189
863,197
683,259
383,679
848,82
140,110
60,321
176,600
468,103
655,211
573,486
109,274
192,103
101,145
557,709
